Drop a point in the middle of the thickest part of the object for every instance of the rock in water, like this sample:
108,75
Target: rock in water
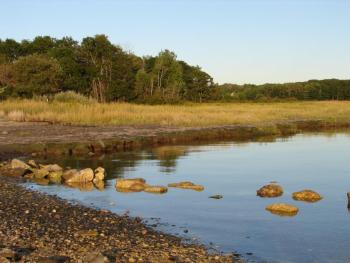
99,174
15,163
216,197
69,173
85,175
55,177
270,190
40,173
52,167
307,196
282,209
156,189
100,185
187,185
130,185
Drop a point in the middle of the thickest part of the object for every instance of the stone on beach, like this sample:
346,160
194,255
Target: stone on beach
52,167
15,163
307,196
32,163
6,170
270,190
55,177
282,209
187,185
40,173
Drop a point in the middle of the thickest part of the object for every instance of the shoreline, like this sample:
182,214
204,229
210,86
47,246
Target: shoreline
50,233
36,227
45,139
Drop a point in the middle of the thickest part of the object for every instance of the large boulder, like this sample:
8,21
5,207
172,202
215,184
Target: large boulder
307,196
270,190
187,185
282,209
15,163
156,189
83,176
130,185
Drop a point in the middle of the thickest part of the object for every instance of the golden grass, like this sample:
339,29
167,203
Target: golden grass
195,115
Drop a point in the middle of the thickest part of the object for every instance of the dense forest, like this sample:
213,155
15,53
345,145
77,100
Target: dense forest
105,72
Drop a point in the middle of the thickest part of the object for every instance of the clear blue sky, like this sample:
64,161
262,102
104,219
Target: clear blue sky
246,41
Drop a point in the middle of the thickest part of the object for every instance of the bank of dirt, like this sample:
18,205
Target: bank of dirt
58,139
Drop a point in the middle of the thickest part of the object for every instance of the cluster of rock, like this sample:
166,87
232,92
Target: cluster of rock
53,173
139,185
282,209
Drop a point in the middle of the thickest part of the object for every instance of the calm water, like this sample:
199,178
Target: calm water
238,222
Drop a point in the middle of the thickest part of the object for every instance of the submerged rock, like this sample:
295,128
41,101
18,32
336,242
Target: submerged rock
270,190
82,186
187,185
216,197
156,189
307,196
282,209
85,175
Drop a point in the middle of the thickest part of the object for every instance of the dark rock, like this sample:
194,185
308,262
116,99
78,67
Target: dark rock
216,196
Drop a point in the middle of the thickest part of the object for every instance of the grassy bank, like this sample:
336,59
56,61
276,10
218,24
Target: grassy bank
187,115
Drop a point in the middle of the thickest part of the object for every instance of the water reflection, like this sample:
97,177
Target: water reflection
238,222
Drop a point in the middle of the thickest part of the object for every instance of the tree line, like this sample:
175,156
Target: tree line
328,89
99,69
95,67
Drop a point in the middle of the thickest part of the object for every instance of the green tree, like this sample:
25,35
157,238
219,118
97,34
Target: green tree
199,85
35,75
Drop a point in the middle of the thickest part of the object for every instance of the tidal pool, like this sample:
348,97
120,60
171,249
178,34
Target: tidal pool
320,232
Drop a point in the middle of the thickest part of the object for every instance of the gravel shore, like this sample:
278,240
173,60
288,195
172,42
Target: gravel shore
39,228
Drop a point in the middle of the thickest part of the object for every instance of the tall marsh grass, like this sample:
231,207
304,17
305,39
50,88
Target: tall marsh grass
194,115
